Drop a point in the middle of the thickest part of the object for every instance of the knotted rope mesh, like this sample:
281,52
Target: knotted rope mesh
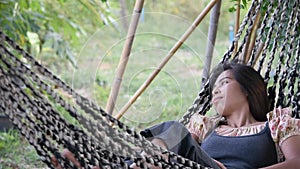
276,48
31,96
31,99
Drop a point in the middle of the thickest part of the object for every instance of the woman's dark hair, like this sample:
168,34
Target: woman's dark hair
251,83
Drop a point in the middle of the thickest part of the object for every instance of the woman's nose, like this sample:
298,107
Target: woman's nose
216,91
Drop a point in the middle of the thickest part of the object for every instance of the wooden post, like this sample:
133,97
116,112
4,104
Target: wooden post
237,23
167,58
212,34
123,14
253,34
124,56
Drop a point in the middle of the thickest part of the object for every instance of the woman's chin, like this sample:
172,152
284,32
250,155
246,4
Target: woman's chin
219,109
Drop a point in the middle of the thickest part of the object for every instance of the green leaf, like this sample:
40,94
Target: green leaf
232,9
33,38
244,2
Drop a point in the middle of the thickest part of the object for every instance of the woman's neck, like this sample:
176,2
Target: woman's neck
240,118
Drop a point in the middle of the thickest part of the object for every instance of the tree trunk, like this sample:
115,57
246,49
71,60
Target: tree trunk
124,56
124,14
212,34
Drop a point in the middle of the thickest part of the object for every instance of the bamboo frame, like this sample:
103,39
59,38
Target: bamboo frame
251,44
124,56
258,53
237,23
212,34
249,41
167,58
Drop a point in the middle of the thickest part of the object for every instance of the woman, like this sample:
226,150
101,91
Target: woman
247,137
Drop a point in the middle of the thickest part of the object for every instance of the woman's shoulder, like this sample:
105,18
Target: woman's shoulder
201,125
282,124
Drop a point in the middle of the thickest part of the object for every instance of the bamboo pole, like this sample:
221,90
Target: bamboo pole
124,56
167,58
258,53
237,23
211,40
243,56
254,34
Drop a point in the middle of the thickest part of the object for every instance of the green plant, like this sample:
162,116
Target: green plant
15,152
243,5
46,28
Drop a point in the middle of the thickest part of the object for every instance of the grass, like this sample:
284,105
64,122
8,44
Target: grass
170,93
16,152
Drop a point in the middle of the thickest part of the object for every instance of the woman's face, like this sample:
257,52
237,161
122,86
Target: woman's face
227,94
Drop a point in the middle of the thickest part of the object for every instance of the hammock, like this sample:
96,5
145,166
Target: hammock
50,122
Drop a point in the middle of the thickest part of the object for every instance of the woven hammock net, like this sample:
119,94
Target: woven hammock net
32,99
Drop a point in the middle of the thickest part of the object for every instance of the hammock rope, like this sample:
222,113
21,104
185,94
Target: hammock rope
249,22
202,101
268,36
33,101
287,50
70,136
295,97
275,45
38,108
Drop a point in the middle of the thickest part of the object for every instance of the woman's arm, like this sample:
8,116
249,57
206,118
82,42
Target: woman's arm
68,155
291,150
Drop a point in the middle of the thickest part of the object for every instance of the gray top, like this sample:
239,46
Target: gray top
242,152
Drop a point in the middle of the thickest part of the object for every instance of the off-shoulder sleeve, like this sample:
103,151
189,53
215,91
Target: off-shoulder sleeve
201,125
282,125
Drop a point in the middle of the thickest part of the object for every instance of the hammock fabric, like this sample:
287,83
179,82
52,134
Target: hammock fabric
31,95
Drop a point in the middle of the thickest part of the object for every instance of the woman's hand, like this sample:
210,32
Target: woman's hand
136,167
158,142
221,165
70,156
150,166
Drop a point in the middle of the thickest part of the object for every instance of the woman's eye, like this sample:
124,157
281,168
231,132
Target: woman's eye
224,82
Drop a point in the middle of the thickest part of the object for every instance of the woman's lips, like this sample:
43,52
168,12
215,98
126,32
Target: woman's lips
215,99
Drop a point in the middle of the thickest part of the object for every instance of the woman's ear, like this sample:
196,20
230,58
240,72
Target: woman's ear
244,91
